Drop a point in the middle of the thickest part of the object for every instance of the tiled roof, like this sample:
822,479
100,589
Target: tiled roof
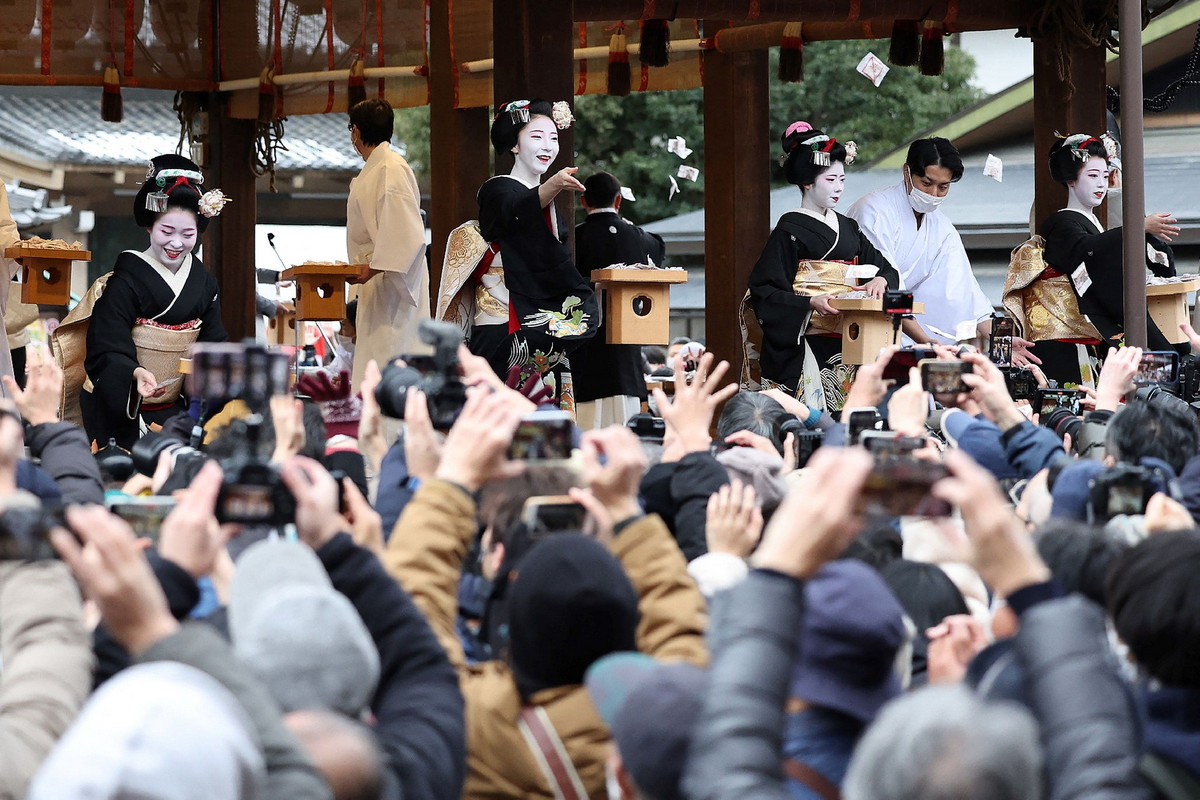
62,125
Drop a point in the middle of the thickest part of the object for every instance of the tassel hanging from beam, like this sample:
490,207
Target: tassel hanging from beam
933,55
654,49
791,54
112,109
619,82
356,84
905,46
266,94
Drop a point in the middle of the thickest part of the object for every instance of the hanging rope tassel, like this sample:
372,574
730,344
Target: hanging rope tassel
618,65
112,109
266,94
933,54
654,48
356,87
905,46
791,54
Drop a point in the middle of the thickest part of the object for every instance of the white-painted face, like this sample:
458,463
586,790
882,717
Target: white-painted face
1091,186
173,236
537,146
827,189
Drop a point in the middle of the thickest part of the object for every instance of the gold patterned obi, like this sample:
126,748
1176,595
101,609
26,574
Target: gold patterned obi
486,303
1041,301
822,277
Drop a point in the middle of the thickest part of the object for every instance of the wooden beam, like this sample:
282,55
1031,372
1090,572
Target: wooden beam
737,191
1056,109
962,15
229,240
459,151
534,58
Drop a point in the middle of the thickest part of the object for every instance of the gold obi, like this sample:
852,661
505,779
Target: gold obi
485,302
159,349
822,277
1044,308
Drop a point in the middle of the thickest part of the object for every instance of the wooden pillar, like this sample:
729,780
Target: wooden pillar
229,240
534,57
459,149
737,191
1054,109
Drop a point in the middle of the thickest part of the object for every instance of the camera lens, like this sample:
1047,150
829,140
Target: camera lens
393,388
1063,422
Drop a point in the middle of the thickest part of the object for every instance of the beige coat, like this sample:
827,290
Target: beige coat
426,553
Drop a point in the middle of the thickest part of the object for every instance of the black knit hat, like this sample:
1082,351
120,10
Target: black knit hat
570,604
172,181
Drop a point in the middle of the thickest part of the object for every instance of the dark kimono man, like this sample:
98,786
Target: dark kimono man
1073,241
784,315
138,291
551,308
601,369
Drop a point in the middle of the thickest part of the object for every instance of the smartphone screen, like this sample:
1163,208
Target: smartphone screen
859,420
1157,366
144,514
549,514
1001,342
889,443
899,487
1046,400
944,377
543,436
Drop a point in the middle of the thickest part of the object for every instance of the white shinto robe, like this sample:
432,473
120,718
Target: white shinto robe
384,230
931,259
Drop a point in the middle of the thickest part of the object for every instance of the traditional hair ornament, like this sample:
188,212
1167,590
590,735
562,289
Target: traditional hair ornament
211,203
1111,146
1076,142
518,111
156,201
851,152
821,145
800,126
561,114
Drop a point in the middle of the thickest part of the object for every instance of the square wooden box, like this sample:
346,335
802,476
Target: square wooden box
320,289
1167,305
47,277
637,305
865,328
281,329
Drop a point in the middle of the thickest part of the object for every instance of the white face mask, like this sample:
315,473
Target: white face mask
922,202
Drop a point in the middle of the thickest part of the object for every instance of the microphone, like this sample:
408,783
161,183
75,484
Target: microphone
271,242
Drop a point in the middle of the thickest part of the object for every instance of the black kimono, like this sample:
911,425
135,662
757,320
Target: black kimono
551,308
784,315
136,291
601,369
1075,242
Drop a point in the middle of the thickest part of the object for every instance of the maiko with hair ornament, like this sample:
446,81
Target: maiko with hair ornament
813,254
512,282
135,323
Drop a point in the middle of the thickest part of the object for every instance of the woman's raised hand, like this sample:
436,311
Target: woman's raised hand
1162,225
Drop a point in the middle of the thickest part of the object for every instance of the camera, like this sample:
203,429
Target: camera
253,492
647,426
1124,489
147,450
1021,382
1062,421
436,375
898,486
545,515
897,302
246,371
804,441
1157,367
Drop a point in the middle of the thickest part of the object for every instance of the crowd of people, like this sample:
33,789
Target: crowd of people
863,586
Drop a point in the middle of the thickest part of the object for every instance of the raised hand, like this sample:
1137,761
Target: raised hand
38,401
476,447
734,522
690,413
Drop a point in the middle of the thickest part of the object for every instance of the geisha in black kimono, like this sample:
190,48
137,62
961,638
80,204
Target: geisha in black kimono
151,308
1080,254
531,305
812,254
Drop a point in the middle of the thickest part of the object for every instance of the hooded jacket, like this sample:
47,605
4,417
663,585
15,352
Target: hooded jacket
426,553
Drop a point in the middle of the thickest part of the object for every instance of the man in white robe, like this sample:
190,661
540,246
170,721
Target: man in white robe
8,268
385,234
906,224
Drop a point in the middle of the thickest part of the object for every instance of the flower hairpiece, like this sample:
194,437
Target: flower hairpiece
1111,146
851,152
561,114
212,202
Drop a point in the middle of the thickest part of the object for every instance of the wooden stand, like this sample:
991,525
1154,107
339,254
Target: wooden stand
320,289
1167,306
637,307
47,272
865,328
281,328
